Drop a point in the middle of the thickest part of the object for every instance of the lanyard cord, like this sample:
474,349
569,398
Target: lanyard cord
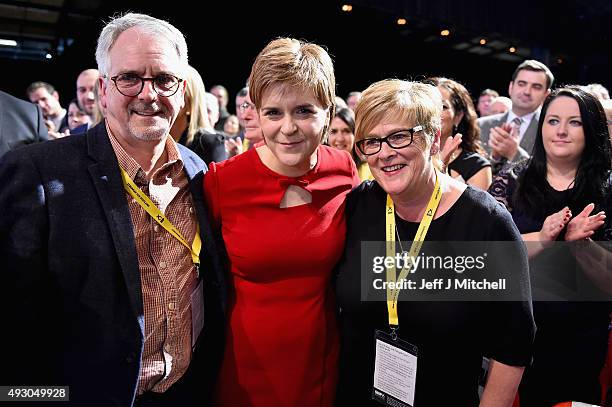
145,202
391,230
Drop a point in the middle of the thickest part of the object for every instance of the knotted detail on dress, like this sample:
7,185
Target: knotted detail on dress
298,182
295,192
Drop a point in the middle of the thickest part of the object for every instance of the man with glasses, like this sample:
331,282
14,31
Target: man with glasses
107,252
249,123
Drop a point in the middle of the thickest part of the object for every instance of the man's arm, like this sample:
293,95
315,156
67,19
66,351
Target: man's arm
520,155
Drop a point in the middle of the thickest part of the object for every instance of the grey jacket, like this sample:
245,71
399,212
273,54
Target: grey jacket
526,145
21,123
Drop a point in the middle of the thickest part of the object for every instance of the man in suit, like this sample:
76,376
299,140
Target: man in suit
45,96
20,123
104,286
509,137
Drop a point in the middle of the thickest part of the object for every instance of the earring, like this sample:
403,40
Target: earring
455,129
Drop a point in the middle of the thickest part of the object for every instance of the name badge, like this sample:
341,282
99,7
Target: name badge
197,313
395,368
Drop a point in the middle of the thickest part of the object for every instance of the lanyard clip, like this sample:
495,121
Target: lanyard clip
197,270
394,329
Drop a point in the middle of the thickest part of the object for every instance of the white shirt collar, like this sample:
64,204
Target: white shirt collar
525,120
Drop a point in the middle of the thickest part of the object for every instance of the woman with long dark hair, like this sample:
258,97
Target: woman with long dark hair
460,135
562,193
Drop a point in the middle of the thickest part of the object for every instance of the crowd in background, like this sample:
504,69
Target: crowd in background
542,151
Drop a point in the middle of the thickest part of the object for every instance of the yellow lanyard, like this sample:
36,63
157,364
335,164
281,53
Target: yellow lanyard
148,205
245,145
432,206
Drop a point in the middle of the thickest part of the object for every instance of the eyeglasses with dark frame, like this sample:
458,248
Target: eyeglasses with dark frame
400,139
129,84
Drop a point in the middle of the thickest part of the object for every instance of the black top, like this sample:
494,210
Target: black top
569,309
467,164
451,337
209,146
504,187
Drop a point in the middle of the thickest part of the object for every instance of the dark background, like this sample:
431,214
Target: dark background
366,44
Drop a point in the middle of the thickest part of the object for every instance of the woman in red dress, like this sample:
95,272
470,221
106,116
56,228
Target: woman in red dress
280,210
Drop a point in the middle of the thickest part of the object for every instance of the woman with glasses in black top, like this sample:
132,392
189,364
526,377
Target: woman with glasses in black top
436,346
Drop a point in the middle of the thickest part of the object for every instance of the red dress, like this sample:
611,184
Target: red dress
282,338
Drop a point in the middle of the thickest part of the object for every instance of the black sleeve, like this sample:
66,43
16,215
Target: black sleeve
510,329
351,201
468,164
25,288
210,147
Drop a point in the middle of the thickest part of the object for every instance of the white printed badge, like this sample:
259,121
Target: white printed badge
395,368
197,313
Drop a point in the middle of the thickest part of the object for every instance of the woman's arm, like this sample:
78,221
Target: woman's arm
594,260
596,263
482,179
502,384
508,339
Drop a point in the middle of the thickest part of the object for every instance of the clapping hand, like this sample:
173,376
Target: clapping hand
583,226
51,130
233,146
504,141
450,145
553,225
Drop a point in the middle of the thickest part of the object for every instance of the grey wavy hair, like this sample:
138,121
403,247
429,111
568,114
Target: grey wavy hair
145,23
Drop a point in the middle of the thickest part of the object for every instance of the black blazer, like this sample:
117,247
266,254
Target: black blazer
69,277
21,123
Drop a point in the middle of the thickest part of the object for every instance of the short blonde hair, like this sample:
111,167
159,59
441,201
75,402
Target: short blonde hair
295,63
413,102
